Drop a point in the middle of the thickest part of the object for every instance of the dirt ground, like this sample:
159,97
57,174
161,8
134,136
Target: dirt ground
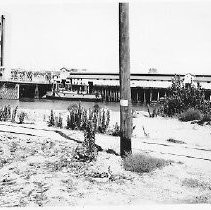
37,168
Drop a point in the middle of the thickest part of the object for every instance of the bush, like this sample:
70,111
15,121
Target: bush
89,140
51,121
190,115
206,117
104,120
21,117
88,150
79,116
181,98
5,113
60,123
116,130
175,141
74,119
195,183
14,113
143,163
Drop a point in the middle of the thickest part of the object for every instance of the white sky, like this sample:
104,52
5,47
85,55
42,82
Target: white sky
174,37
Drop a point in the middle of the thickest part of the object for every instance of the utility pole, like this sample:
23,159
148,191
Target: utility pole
124,77
2,40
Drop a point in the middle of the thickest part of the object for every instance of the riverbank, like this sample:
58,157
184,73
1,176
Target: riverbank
37,167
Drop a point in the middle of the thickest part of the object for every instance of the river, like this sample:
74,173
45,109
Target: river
60,104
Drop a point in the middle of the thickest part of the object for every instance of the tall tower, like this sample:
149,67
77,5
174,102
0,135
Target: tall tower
2,41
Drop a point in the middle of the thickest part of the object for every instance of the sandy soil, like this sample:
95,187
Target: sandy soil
37,169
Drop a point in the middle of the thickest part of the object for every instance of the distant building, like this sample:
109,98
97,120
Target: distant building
153,71
64,73
189,79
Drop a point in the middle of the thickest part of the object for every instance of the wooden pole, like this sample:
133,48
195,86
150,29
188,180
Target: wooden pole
158,98
2,41
150,99
144,97
124,73
36,92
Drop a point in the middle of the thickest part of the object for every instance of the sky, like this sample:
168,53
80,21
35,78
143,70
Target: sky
171,36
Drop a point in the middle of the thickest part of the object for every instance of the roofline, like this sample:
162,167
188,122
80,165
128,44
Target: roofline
136,74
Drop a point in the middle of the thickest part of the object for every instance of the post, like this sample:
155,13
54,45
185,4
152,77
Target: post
158,98
2,40
144,97
124,74
150,99
17,87
36,92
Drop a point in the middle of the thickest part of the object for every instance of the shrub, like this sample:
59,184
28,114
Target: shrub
143,163
8,112
116,130
175,141
195,183
89,140
88,150
206,117
51,121
60,121
21,117
79,116
104,120
5,113
102,128
107,118
68,122
181,98
74,119
14,113
190,115
56,121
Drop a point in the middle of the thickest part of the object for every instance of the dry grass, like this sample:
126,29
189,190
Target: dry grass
195,183
175,141
190,115
143,163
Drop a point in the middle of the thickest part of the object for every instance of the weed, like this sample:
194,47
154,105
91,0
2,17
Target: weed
51,121
181,98
14,113
79,116
175,141
195,183
143,163
87,151
5,113
116,130
60,121
22,117
206,118
190,115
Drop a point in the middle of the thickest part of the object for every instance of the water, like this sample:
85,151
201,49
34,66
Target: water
61,105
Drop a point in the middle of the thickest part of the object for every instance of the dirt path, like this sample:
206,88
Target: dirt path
36,168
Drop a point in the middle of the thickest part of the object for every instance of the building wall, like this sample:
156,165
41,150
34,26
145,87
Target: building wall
9,91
